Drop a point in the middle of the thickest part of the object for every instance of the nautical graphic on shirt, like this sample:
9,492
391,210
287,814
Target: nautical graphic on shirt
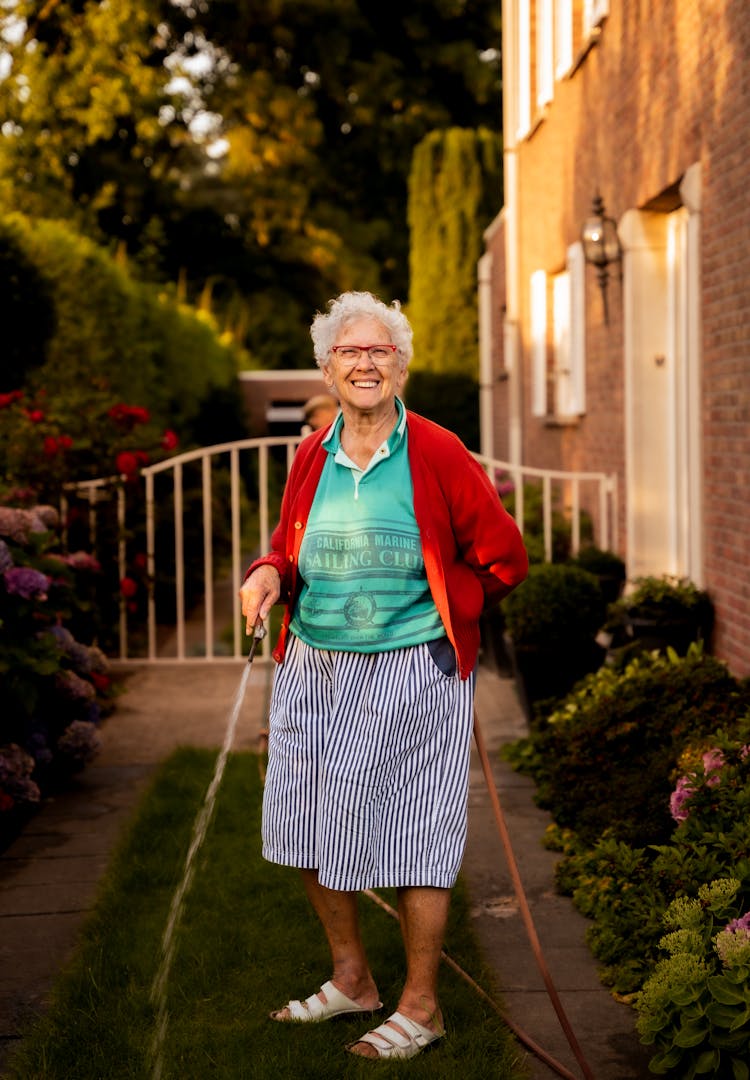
359,609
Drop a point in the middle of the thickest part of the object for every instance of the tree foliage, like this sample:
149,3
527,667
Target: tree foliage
257,150
454,191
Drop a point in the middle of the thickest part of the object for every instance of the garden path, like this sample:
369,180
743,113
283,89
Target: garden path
49,876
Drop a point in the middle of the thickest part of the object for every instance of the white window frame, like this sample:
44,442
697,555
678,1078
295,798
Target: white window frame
563,37
561,334
545,52
523,69
594,13
538,341
569,335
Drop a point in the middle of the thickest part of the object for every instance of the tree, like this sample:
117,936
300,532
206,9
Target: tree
83,105
263,149
454,191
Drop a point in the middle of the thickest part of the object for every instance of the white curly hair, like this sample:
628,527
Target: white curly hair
348,308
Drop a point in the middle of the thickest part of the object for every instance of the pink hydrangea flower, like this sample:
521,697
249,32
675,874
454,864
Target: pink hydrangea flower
679,799
741,924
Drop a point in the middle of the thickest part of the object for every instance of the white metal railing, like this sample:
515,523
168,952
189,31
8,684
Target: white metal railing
573,493
569,486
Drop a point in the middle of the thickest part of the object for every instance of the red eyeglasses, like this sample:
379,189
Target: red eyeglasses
350,354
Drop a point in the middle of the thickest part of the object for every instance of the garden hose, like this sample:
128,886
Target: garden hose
526,912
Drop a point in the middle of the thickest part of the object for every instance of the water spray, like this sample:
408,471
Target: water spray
200,827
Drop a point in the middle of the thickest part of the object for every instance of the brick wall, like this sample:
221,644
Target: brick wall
664,87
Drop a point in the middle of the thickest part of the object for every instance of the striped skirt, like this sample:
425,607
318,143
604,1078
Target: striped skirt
368,766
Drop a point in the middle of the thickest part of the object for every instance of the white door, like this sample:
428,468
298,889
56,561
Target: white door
661,356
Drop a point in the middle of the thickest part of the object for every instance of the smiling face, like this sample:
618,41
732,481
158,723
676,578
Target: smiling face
366,386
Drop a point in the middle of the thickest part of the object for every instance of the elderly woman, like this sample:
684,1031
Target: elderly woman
391,543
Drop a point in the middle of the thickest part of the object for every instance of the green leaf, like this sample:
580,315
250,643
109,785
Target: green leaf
725,991
721,1015
686,995
708,1062
736,1040
741,1020
691,1035
740,1070
662,1063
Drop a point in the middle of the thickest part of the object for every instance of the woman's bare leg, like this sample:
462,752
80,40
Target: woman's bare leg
339,916
423,913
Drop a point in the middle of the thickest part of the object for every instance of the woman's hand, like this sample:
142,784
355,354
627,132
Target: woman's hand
258,595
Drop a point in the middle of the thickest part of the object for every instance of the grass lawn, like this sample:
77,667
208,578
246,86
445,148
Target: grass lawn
247,943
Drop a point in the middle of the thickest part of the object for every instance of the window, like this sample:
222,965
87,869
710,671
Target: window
563,37
545,42
594,12
538,303
568,336
523,67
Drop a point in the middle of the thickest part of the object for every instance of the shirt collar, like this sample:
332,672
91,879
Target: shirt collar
332,442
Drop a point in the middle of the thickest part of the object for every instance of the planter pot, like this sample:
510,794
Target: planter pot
543,672
659,634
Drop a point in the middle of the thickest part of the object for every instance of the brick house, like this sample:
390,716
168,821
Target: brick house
646,106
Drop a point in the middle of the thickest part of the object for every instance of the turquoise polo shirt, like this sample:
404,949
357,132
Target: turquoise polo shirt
364,583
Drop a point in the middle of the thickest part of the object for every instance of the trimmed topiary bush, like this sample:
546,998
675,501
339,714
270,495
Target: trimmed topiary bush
551,621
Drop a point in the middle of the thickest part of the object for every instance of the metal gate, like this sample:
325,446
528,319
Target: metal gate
194,521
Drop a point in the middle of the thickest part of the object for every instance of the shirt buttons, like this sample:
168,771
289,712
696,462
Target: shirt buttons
291,558
298,524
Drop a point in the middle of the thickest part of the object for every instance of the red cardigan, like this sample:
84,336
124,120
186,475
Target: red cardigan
473,552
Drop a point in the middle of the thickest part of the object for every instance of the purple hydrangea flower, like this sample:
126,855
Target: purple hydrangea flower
79,743
80,658
25,582
14,760
73,687
64,637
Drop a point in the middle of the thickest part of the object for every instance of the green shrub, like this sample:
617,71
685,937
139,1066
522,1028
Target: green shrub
605,758
26,314
115,333
557,604
608,567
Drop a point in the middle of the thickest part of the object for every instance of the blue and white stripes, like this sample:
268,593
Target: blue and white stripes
368,767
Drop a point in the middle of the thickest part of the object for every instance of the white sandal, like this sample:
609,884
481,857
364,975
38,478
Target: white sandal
313,1009
390,1043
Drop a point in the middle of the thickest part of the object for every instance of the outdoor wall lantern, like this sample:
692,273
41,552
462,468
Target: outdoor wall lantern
601,246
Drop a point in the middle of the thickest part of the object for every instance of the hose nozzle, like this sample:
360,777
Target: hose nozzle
258,634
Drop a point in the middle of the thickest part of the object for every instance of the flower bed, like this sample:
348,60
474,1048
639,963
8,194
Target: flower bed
646,772
56,688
